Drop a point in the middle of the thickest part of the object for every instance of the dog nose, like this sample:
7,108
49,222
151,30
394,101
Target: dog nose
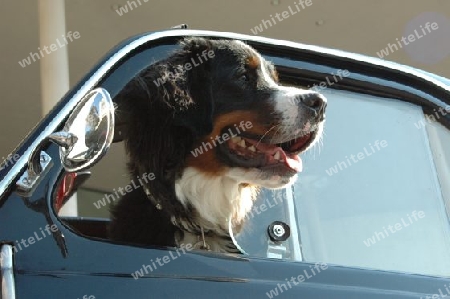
315,102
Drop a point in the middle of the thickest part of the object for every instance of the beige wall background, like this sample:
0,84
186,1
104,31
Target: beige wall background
360,26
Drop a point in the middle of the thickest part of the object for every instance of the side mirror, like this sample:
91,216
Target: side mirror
84,140
88,133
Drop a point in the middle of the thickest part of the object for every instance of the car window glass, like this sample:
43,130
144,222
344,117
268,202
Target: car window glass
374,196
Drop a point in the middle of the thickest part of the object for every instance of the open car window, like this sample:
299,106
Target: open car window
372,194
376,195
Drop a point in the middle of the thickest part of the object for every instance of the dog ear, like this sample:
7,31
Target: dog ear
165,108
152,141
197,56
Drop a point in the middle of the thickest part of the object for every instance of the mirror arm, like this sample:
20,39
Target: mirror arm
34,163
63,139
38,163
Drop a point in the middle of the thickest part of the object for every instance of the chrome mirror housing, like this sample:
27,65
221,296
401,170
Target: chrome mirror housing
84,140
88,133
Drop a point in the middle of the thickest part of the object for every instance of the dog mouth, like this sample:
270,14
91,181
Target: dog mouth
250,152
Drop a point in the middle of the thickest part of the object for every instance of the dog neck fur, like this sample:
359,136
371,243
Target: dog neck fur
216,199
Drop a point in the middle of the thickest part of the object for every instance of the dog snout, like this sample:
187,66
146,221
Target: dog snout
314,102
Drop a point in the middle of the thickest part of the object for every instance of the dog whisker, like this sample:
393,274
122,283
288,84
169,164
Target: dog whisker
260,139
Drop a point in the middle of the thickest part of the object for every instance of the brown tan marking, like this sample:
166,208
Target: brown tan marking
253,62
274,74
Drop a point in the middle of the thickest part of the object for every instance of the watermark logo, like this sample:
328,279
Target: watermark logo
341,165
37,236
219,139
425,39
392,229
266,24
433,117
269,202
161,261
410,38
47,50
313,271
440,295
116,194
435,46
181,69
124,9
9,160
321,86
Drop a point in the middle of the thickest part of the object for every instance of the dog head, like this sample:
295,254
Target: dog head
257,128
215,108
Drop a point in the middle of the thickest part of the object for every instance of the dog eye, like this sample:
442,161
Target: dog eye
244,77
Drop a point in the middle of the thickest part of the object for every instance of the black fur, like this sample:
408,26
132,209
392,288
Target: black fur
161,124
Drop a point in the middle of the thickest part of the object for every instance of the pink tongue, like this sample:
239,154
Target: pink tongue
293,162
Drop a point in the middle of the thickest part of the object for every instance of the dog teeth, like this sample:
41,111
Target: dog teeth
252,148
242,143
236,139
277,156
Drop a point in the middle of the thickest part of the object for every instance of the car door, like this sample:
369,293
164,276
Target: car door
48,256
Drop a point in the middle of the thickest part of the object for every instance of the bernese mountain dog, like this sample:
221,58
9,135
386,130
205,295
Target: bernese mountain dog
213,125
